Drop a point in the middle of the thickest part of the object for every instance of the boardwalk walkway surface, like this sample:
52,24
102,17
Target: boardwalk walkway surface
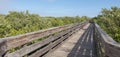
78,45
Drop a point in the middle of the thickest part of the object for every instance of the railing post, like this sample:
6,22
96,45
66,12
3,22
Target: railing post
3,47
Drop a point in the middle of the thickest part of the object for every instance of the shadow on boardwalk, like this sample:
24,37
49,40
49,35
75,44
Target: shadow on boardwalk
85,46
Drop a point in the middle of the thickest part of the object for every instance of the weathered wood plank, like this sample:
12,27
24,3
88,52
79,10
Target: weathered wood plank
42,51
12,42
27,49
15,41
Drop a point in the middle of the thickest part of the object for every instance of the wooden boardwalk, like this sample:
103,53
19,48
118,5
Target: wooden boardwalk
75,40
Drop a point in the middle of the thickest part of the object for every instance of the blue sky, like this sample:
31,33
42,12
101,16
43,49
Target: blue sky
89,8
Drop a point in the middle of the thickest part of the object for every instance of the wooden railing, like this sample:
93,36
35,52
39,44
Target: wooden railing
36,44
105,45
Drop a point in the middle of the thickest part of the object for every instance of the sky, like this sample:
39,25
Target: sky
58,8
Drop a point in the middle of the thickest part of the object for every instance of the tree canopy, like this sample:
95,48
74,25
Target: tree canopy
109,20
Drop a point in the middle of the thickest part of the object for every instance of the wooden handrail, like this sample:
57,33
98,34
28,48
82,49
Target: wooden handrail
106,46
21,40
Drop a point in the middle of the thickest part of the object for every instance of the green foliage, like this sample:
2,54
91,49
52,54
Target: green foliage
16,23
109,20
